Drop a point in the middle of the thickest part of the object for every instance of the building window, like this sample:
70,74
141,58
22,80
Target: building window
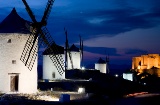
13,61
53,75
9,41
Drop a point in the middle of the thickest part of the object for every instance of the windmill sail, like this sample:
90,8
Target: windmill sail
41,36
56,58
29,53
81,49
107,63
68,50
28,56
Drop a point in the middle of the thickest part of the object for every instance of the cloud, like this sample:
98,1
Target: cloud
121,27
135,51
144,39
102,50
96,21
107,17
109,22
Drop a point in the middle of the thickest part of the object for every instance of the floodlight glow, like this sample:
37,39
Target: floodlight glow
81,90
48,98
83,68
116,75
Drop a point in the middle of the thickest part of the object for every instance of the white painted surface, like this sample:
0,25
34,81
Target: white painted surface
101,67
12,51
128,76
49,68
75,59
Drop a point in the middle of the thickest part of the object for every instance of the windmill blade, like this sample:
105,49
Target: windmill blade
30,50
66,57
29,11
82,51
28,56
56,58
31,44
70,57
47,11
68,49
29,53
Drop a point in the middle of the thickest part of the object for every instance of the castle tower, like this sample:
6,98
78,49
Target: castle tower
149,63
14,75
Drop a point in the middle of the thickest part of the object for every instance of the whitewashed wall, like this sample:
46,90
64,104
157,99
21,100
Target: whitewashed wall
12,51
101,67
128,76
75,59
49,68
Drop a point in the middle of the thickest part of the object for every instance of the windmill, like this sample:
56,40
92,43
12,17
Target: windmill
68,51
40,36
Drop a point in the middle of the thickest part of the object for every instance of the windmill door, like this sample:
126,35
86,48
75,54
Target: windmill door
14,83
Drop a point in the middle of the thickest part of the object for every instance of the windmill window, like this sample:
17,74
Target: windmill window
53,74
9,41
13,61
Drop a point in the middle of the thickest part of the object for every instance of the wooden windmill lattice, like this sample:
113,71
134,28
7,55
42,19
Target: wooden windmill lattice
68,51
40,36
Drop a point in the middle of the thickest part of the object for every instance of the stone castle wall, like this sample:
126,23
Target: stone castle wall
149,63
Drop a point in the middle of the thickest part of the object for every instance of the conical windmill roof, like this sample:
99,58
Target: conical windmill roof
58,50
13,23
101,61
74,48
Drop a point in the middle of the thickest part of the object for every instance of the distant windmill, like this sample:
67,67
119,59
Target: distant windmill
40,36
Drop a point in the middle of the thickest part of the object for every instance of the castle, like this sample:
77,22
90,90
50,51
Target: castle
149,63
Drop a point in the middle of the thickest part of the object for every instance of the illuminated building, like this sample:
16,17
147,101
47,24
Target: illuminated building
14,75
50,71
149,63
128,76
102,65
75,57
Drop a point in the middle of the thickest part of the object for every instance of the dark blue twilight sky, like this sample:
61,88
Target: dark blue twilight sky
121,28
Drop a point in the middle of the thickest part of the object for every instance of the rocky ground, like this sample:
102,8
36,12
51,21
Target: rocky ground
51,98
41,98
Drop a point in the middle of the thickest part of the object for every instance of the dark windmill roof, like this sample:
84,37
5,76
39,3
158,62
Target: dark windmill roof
101,61
13,23
56,50
74,48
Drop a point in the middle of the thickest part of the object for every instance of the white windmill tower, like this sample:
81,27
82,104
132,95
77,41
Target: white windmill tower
14,76
50,71
101,65
73,55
